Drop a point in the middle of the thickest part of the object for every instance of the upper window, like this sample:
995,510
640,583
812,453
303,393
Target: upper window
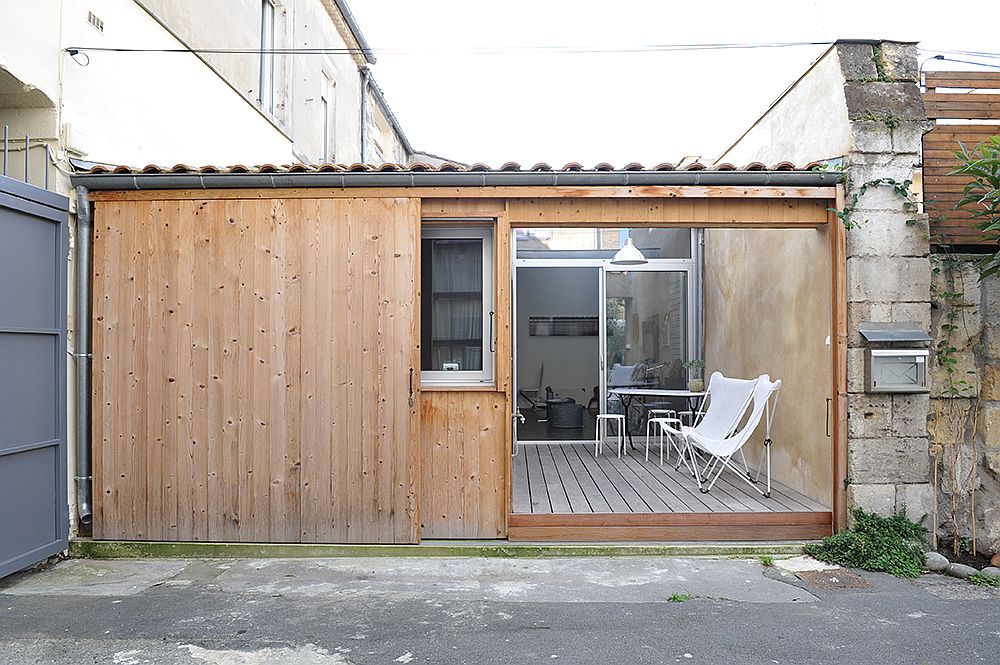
266,94
457,335
598,243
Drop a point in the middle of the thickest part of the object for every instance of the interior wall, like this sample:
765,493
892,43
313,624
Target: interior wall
571,363
768,310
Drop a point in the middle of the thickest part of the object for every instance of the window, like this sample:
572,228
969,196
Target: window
328,107
266,94
457,338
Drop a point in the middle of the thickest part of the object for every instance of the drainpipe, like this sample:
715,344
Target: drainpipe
82,355
365,75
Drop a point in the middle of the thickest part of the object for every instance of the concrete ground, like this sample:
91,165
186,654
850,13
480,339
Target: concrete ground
479,610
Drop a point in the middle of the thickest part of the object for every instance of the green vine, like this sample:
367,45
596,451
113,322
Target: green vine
902,189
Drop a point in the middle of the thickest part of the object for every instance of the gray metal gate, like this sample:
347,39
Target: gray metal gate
34,519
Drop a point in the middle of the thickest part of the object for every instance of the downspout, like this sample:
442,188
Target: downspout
365,75
82,356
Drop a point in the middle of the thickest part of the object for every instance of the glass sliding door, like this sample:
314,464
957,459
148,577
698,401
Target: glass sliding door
646,338
557,332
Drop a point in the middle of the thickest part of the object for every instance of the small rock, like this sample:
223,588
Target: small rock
990,571
936,562
995,561
960,570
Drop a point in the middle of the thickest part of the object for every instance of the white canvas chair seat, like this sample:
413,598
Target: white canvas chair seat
720,450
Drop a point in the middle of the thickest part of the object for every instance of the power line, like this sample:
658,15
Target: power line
488,50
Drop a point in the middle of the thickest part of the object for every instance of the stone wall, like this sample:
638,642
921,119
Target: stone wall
888,273
965,403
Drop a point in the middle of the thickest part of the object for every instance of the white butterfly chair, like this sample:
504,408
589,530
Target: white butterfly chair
720,451
727,401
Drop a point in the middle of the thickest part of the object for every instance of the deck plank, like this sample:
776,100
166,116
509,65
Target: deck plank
555,486
536,481
608,491
598,503
521,501
567,479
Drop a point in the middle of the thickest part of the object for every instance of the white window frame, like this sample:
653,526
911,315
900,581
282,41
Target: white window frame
265,94
433,378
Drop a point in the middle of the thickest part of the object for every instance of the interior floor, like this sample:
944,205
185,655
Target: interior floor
536,427
567,479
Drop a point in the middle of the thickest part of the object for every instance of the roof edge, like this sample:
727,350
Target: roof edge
352,25
360,179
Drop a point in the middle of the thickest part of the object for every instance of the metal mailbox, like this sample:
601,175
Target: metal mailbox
896,370
889,369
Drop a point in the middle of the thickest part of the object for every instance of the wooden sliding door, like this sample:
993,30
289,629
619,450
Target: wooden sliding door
252,370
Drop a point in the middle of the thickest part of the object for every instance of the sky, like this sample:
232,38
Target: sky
505,80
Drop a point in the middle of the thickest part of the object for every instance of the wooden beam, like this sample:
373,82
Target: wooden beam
669,526
679,191
838,353
962,80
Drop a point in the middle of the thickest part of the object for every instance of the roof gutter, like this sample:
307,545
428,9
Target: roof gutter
142,181
355,29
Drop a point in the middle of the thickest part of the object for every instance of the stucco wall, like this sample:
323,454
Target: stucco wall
767,311
809,122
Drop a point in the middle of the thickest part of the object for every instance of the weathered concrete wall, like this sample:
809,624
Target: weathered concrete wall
767,311
965,403
807,123
888,272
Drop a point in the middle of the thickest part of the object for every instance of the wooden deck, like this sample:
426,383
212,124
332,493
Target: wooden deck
562,493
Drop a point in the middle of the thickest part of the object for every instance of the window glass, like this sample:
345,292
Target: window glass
594,243
456,305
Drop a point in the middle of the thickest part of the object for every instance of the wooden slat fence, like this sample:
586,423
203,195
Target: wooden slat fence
952,100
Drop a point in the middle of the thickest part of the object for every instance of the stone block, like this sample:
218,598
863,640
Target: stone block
917,499
909,415
988,424
888,279
879,499
958,277
899,61
917,312
870,136
908,136
990,388
991,572
857,61
888,460
855,370
886,233
991,460
991,340
961,327
882,197
949,420
869,416
991,297
960,379
867,167
875,100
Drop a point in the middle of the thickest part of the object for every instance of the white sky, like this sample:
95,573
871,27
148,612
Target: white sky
649,107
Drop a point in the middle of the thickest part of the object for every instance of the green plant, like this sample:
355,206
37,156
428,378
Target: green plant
892,545
887,118
766,560
981,580
696,363
678,597
901,188
982,193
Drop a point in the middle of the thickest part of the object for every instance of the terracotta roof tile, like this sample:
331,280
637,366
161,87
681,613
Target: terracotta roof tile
390,167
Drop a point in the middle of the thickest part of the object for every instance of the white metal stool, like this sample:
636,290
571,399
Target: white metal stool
661,431
600,430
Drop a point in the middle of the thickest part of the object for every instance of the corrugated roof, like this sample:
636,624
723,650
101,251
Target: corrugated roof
423,167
